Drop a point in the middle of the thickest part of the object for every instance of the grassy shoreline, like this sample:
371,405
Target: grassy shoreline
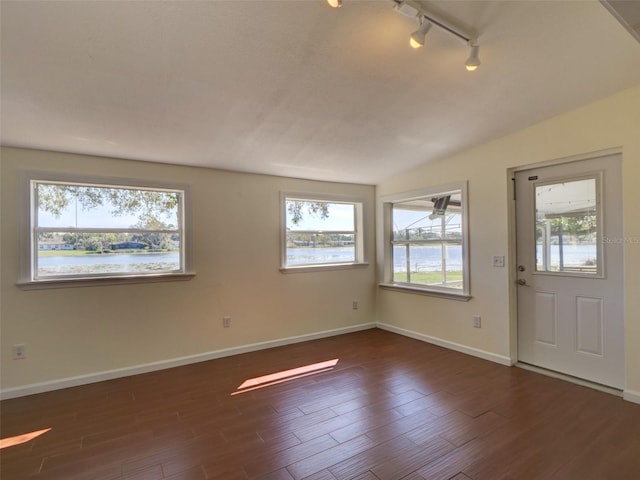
432,278
77,253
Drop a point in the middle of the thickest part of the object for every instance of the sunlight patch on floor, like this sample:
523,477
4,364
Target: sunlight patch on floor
285,376
20,439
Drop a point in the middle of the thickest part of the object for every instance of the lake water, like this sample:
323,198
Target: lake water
306,256
426,258
423,258
108,263
573,255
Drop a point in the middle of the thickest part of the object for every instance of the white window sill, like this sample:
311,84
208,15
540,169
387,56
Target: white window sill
103,281
460,297
324,267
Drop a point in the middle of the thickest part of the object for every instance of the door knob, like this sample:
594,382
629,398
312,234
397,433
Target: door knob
521,268
522,281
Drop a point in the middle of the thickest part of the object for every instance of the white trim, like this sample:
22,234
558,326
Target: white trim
322,267
171,363
624,20
570,379
598,177
432,292
631,396
35,388
569,159
27,210
384,247
358,229
512,249
476,352
98,281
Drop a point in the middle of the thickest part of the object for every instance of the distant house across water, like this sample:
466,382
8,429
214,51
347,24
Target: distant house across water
55,246
128,246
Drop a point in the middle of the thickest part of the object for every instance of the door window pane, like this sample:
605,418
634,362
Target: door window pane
567,227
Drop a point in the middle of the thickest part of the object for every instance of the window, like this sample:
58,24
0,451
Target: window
427,242
87,231
567,222
321,231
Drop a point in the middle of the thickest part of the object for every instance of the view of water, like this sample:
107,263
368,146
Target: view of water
573,255
108,263
305,256
423,258
426,258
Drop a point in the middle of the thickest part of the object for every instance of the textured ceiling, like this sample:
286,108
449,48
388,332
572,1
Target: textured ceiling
297,88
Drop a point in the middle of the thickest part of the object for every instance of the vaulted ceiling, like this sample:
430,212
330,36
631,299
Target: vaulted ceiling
297,88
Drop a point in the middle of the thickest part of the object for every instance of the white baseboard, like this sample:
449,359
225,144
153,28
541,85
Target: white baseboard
568,378
501,359
631,396
174,362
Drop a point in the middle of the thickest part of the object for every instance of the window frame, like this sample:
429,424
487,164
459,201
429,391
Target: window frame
386,203
359,245
598,177
27,276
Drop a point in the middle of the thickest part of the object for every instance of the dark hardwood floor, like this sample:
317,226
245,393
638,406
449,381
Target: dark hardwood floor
391,408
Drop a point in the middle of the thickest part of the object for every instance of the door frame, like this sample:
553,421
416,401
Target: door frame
512,263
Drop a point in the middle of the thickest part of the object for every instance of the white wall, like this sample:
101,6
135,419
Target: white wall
82,331
72,332
609,123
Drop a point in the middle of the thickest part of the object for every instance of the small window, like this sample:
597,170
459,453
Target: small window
92,230
321,231
567,224
427,247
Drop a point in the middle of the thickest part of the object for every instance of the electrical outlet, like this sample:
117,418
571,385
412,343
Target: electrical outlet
226,321
477,321
354,304
498,261
19,351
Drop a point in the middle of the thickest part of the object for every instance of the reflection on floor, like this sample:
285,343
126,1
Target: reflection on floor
391,408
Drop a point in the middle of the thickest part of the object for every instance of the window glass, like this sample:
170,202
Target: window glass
567,227
78,206
321,232
91,230
427,241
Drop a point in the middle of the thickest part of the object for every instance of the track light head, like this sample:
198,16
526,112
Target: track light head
414,9
473,62
417,38
335,3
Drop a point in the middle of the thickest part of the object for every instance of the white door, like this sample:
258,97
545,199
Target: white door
570,269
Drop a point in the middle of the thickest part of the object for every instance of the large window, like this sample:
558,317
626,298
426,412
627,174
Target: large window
427,241
82,230
321,231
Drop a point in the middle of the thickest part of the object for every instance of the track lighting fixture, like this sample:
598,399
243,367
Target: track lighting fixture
473,62
417,38
413,9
